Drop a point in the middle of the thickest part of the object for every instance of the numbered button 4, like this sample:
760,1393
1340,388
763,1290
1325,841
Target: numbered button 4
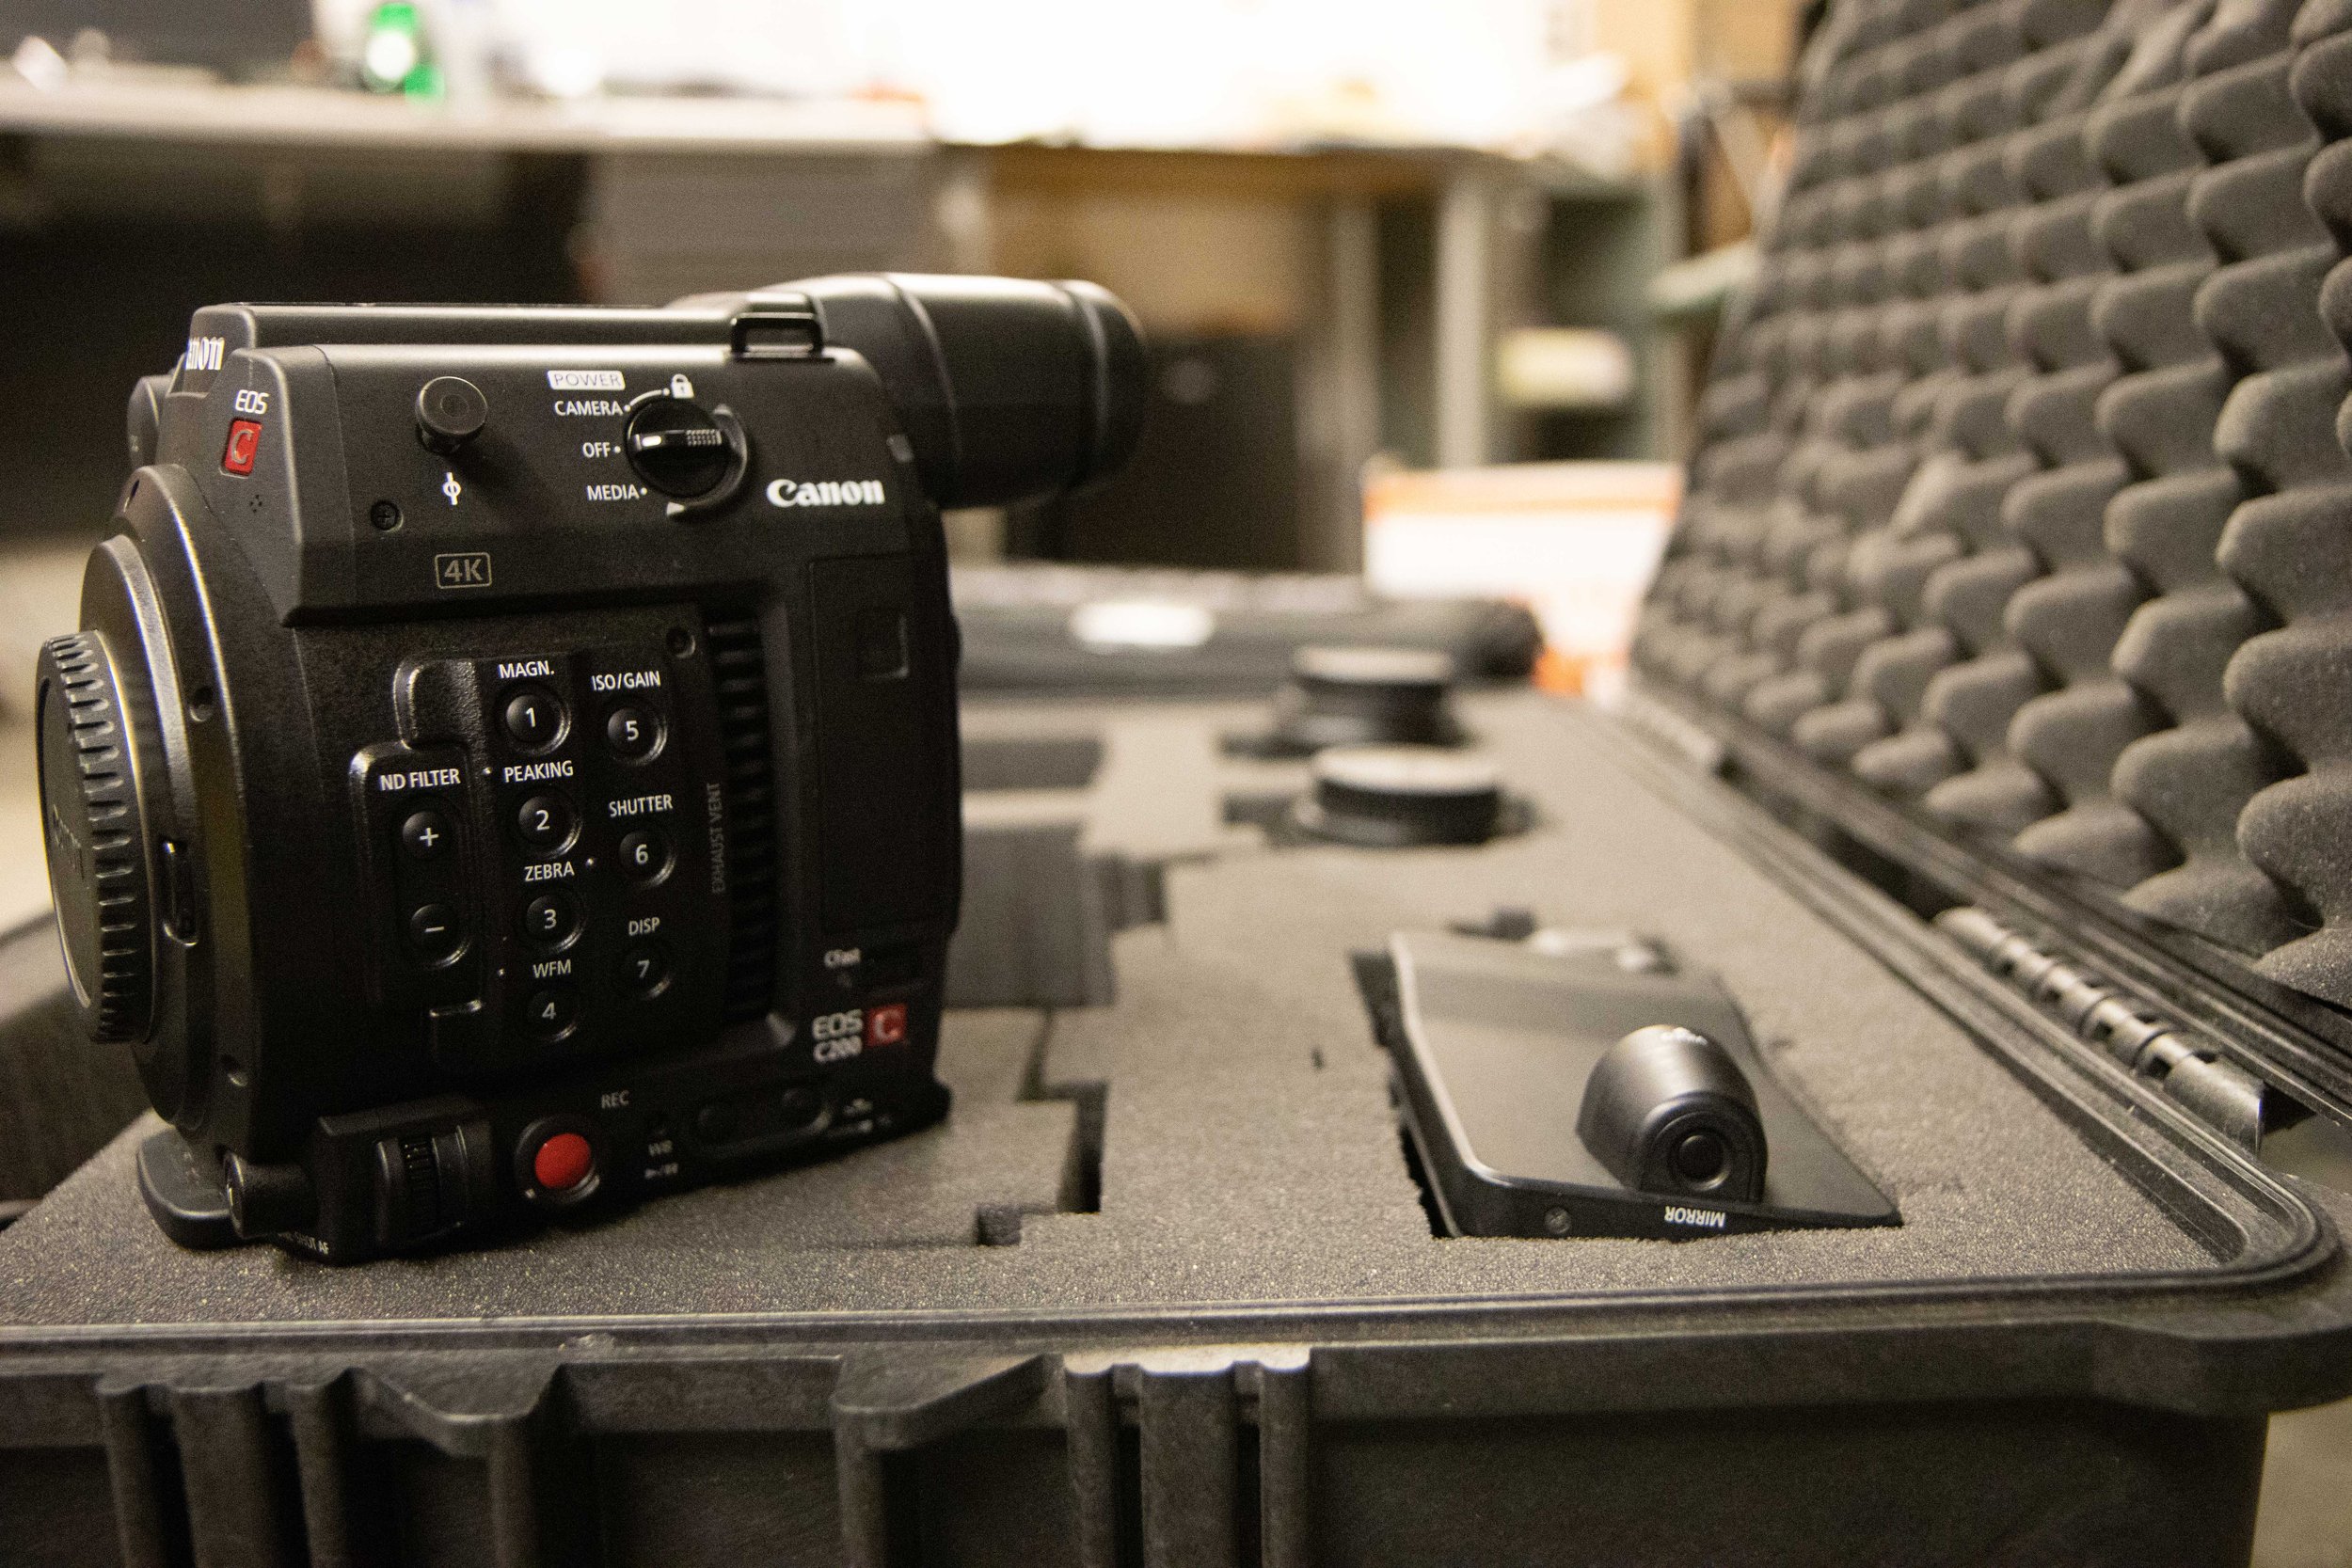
551,1011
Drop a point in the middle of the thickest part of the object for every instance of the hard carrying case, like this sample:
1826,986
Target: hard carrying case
1164,1288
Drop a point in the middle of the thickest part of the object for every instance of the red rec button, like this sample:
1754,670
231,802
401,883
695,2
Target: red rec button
563,1162
245,439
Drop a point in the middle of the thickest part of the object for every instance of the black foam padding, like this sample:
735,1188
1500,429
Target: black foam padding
1222,1132
2099,626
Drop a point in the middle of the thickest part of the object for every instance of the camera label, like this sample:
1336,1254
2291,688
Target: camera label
538,772
587,381
626,680
464,569
1705,1219
640,805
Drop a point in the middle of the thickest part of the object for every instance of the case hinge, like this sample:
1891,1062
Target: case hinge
2223,1095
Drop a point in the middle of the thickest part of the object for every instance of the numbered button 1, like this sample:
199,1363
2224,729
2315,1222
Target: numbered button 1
644,856
545,821
633,731
645,969
551,919
535,719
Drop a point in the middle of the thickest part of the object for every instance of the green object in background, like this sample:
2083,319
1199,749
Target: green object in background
392,55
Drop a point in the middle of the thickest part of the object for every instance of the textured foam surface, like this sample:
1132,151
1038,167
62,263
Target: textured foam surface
2106,617
1248,1151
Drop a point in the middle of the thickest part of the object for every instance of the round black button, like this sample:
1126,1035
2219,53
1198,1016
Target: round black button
715,1122
535,718
677,448
632,732
551,919
644,855
545,821
800,1105
433,931
1699,1158
550,1011
425,835
451,411
645,969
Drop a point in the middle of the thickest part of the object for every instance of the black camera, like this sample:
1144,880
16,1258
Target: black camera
509,762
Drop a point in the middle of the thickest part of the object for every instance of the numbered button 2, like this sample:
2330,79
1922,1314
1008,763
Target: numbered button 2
545,822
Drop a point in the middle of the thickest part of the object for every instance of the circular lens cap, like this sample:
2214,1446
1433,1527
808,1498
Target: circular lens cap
1365,696
1396,796
96,836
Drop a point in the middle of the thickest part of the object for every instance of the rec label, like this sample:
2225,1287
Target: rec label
462,569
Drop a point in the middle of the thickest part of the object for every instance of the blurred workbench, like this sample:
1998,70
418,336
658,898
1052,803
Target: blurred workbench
1389,269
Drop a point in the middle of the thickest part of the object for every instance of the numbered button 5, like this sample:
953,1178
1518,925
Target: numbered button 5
545,822
633,731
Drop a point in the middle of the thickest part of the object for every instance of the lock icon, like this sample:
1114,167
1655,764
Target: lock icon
680,386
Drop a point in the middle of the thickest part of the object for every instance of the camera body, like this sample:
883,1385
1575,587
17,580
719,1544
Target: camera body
508,763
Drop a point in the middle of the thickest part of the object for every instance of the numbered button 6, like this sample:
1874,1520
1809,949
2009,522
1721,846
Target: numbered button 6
644,856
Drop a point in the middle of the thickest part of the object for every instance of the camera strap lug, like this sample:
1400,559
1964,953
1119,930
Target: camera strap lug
776,326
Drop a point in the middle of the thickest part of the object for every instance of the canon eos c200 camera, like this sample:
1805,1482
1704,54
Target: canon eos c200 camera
509,762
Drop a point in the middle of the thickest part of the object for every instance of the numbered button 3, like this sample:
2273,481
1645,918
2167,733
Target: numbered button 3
551,919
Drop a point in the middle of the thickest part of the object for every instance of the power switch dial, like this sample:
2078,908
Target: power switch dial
677,448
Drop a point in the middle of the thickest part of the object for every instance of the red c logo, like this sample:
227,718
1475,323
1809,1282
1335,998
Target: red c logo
244,437
886,1024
